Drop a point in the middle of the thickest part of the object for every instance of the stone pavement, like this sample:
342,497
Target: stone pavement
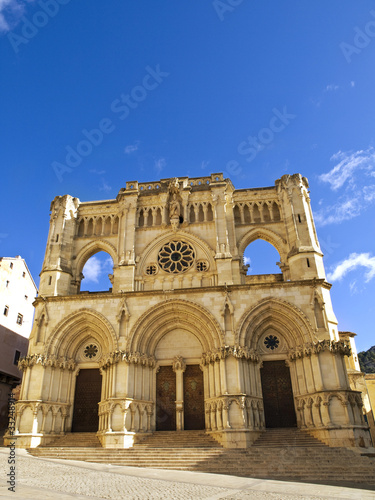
49,479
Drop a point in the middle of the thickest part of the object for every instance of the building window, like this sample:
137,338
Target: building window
308,262
19,319
6,310
26,297
7,284
11,265
57,238
50,280
24,275
17,356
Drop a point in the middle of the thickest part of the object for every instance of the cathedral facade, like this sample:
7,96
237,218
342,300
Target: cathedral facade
185,338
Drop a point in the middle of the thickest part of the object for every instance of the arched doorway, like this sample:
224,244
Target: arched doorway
278,401
86,399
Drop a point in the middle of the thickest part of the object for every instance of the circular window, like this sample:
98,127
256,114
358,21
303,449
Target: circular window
176,257
271,342
91,351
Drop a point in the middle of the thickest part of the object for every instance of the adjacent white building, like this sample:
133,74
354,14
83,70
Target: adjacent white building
17,294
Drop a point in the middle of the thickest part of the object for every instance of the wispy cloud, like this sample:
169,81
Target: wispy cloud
160,164
131,148
352,174
97,172
95,267
105,187
349,164
205,164
354,261
92,270
11,12
331,88
247,260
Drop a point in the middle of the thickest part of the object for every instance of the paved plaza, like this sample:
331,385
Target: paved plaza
60,479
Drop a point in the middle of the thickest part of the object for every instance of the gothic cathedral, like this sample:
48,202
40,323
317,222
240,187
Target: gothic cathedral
185,338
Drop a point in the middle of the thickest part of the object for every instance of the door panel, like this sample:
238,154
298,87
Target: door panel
278,398
193,398
166,399
86,399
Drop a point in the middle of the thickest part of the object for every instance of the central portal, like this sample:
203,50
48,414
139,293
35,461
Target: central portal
193,398
86,399
278,398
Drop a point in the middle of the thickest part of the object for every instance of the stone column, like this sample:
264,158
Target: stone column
179,366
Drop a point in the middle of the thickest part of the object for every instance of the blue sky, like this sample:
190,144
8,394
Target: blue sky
205,79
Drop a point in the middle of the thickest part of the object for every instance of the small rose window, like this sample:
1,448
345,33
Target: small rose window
271,342
90,351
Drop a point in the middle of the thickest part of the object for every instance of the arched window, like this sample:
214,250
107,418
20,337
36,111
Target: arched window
96,273
90,227
262,258
210,215
200,214
98,227
158,217
81,228
192,214
237,215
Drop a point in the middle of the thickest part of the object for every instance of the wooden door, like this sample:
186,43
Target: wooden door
166,399
193,398
278,398
86,399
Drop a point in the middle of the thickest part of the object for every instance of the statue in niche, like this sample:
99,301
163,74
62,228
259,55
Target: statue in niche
174,202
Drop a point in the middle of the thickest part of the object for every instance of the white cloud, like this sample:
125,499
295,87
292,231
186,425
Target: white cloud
131,148
331,87
353,262
11,12
352,172
204,164
92,270
348,165
95,267
247,260
160,164
345,209
352,84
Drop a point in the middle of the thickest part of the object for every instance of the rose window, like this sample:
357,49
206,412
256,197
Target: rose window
176,257
271,342
91,351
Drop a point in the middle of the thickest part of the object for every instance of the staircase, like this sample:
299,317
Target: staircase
75,440
283,454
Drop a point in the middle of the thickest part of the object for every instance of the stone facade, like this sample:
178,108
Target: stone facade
181,299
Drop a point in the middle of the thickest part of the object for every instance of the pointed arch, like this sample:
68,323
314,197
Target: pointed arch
278,314
69,334
267,235
171,315
89,250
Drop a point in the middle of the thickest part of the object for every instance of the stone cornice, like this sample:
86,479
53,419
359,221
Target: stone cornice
43,360
135,358
184,291
223,352
332,346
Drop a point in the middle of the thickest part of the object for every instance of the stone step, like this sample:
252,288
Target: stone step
287,454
